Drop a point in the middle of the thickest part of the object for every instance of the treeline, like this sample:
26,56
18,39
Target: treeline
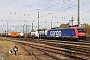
87,29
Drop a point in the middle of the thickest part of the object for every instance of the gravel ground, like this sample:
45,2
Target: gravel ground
5,46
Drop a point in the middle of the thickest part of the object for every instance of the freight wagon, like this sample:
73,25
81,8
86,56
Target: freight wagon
16,34
34,34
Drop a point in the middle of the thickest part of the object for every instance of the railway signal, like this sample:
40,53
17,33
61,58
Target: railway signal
15,49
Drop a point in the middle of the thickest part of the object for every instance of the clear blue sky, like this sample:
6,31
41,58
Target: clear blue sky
20,12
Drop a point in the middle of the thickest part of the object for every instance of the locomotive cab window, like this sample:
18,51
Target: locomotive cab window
81,30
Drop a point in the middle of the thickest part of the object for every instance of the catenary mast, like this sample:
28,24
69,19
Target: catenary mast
78,17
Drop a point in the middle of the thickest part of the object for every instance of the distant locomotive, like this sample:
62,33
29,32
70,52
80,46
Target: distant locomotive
70,33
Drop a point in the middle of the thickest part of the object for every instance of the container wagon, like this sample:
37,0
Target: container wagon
16,34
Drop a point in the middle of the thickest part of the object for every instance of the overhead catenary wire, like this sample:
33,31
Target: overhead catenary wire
29,12
4,3
48,7
53,5
74,6
8,4
34,9
70,7
45,8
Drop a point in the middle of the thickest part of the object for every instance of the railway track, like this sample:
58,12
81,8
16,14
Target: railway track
29,52
23,45
65,52
86,42
74,46
58,41
73,50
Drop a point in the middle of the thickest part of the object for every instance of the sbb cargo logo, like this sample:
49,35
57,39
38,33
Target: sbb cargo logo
55,33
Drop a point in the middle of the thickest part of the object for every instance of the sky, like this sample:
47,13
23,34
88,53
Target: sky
14,14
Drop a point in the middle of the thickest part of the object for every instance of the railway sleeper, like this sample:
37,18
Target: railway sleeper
69,53
81,49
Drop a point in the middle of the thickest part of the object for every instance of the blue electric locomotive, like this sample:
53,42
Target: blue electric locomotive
71,33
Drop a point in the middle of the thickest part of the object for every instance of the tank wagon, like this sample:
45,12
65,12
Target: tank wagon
70,33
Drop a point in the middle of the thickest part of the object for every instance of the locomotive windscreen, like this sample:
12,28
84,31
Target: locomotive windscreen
81,30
